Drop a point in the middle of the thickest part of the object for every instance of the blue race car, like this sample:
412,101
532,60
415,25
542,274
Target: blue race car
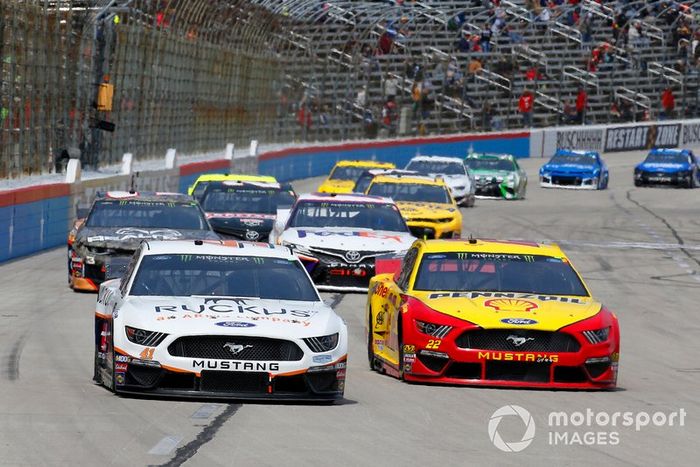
668,167
576,170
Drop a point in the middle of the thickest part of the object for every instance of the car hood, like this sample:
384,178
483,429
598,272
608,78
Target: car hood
129,238
229,315
454,180
492,173
410,209
348,239
569,168
669,167
241,222
337,186
512,310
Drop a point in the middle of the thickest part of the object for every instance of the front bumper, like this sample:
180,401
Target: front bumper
342,276
571,182
435,230
448,361
662,178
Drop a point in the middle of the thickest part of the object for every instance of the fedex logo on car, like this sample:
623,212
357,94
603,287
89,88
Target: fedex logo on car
306,233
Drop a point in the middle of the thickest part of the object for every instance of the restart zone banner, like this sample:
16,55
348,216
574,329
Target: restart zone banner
630,138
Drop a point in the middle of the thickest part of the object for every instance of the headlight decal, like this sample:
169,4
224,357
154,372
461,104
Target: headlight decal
597,336
322,343
144,337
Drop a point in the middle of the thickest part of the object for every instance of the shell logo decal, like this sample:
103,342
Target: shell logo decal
510,304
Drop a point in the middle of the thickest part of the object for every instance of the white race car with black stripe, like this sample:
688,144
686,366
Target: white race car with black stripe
208,319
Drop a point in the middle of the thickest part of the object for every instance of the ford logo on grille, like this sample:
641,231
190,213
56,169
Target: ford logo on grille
518,321
234,324
352,256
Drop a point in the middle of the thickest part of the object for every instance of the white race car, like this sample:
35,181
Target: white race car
453,171
342,235
208,319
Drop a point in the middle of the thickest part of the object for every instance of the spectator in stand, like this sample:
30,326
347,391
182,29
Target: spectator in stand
586,28
668,102
386,42
634,34
464,44
534,74
475,66
485,38
570,114
486,115
390,86
581,105
542,20
615,113
525,106
389,114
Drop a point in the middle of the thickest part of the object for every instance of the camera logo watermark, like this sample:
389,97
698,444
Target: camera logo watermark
511,411
580,428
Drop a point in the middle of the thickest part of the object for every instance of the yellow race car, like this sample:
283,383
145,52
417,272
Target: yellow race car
491,313
344,175
200,185
426,204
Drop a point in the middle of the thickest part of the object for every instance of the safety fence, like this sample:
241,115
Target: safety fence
90,79
36,218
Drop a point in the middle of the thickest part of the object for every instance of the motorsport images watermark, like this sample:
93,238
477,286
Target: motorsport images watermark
589,427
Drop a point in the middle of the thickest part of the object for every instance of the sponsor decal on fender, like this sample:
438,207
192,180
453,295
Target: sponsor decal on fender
306,233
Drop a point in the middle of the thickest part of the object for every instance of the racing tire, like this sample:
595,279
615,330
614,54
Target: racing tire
400,343
638,183
96,373
370,346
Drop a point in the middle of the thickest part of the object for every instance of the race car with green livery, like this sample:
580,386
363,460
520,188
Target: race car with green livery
497,176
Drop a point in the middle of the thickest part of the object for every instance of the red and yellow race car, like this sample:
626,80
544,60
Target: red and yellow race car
491,313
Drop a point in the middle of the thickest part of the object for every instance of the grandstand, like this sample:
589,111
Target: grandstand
342,60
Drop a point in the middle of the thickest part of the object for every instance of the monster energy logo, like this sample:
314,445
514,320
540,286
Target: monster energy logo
258,260
185,258
462,255
529,258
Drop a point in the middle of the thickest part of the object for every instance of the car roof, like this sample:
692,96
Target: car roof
457,160
242,183
369,163
412,179
144,196
669,152
489,155
575,152
216,247
344,198
479,245
240,177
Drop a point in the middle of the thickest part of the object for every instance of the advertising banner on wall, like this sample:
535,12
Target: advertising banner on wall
587,139
629,138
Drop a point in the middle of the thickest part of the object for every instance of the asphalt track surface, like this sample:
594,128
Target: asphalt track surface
637,248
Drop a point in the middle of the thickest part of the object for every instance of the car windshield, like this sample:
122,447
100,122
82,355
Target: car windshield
147,214
667,158
241,199
573,159
436,167
362,183
411,192
183,275
491,272
347,173
489,164
375,216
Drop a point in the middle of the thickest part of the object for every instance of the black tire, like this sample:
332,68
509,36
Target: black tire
370,346
638,183
400,339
